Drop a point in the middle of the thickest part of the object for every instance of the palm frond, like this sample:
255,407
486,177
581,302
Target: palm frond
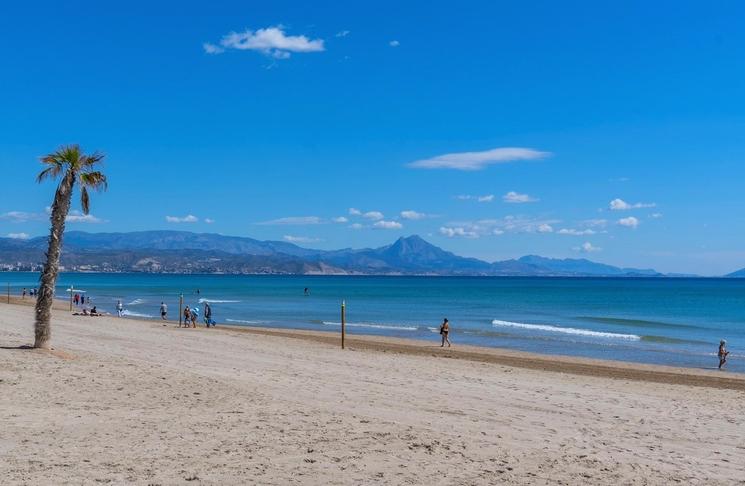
85,201
95,180
88,161
49,173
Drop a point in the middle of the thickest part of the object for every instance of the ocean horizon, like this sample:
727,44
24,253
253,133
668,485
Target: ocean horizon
668,321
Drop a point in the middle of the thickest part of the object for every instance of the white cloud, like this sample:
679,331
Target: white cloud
452,232
414,215
595,223
356,226
621,205
655,215
340,219
271,41
21,216
517,198
630,222
75,216
388,225
293,220
498,232
576,232
545,228
209,220
481,199
394,43
508,224
18,236
355,212
478,160
300,239
342,33
373,215
586,247
190,218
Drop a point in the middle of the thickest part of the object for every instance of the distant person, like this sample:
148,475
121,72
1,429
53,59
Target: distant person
119,308
187,316
194,316
23,294
89,300
722,353
76,299
207,314
163,311
444,331
306,291
94,311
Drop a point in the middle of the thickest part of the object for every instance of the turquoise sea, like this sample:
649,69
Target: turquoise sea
664,321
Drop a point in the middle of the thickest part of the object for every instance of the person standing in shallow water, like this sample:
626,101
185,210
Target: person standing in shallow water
163,311
444,332
722,353
119,308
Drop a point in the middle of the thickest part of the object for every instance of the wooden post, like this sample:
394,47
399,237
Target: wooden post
8,292
71,292
343,322
180,304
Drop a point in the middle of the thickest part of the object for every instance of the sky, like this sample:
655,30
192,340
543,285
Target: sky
608,131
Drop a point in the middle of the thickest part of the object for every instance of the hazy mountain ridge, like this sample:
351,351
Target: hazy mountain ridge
186,252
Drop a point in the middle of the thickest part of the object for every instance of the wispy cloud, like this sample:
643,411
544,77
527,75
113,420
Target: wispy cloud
356,226
209,220
621,205
394,43
355,212
482,199
655,215
545,228
387,225
414,215
586,247
576,232
513,197
458,232
189,218
293,220
373,215
478,160
19,236
21,216
300,239
271,41
342,33
630,222
340,219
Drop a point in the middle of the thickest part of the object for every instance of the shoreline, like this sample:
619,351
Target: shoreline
613,369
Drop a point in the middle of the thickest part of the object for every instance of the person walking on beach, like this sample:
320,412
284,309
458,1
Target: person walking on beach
194,317
207,314
187,317
444,331
163,310
722,353
119,308
23,294
76,299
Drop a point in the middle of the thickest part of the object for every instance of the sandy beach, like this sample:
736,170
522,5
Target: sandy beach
123,401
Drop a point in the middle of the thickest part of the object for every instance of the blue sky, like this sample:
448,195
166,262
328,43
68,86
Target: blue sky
492,129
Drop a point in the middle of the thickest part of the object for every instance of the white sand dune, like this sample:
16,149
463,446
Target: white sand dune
123,401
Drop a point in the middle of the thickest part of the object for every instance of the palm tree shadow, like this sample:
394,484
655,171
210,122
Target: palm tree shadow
22,346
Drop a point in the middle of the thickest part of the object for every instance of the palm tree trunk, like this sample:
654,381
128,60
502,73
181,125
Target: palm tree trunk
60,208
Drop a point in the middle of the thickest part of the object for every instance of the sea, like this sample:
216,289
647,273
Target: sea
667,321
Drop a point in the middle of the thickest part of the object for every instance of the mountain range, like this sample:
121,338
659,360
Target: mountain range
186,252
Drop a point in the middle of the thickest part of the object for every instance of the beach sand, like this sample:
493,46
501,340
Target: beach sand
123,401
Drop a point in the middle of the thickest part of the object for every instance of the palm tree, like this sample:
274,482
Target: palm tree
74,167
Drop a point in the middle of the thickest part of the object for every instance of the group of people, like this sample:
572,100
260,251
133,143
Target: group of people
78,299
31,293
191,315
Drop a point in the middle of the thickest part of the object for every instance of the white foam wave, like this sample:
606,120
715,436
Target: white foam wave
215,301
372,325
129,313
136,302
565,330
242,321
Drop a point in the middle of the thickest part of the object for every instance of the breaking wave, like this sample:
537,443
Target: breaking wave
566,330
